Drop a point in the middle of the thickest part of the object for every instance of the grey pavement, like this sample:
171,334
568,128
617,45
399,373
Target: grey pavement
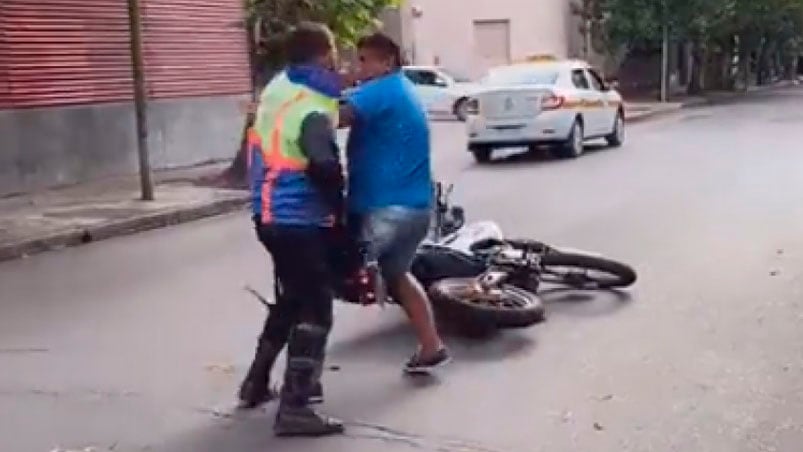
67,216
138,343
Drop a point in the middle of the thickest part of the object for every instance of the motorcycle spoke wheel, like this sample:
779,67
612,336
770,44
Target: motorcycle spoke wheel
585,272
505,306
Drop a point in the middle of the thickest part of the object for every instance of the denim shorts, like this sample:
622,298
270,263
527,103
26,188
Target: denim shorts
391,236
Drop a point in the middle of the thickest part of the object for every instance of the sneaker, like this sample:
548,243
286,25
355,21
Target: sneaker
418,365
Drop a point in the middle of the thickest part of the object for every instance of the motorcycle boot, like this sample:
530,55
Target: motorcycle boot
316,393
304,359
255,389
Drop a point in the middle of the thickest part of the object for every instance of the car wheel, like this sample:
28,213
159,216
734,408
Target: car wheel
617,136
574,145
461,109
482,154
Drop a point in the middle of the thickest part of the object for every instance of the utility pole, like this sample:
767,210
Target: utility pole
665,57
140,100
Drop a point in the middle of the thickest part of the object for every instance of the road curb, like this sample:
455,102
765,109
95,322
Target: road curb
116,228
650,115
714,98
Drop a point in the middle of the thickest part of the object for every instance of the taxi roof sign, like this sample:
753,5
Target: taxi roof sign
540,58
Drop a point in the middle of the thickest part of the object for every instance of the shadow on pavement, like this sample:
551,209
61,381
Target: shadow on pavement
392,345
243,432
577,303
254,434
386,345
502,346
517,156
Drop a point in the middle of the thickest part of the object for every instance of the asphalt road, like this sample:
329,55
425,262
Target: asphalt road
138,343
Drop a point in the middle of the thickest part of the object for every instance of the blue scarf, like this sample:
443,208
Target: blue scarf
316,78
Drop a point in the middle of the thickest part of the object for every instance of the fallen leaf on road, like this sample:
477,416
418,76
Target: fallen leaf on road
334,368
598,427
606,397
215,413
227,369
774,273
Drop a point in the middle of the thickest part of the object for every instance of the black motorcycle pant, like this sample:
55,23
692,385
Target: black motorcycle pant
304,280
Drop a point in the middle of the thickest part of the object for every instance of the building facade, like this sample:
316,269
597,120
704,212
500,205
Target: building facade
66,90
469,36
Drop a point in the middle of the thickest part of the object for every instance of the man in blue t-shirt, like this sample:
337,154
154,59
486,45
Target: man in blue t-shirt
390,183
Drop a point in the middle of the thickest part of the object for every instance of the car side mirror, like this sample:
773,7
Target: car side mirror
611,84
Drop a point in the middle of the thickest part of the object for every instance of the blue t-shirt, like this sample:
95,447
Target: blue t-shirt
388,147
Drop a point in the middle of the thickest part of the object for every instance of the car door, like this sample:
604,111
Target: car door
429,86
610,101
590,102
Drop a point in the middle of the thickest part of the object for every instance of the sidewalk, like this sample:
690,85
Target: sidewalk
83,213
641,110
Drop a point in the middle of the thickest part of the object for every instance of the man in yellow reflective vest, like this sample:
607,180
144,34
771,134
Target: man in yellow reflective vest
296,183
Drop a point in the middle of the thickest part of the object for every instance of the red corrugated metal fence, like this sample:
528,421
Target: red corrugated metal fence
4,103
62,52
195,48
3,78
66,52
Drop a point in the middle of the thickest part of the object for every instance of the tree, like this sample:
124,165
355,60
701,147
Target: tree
268,22
756,33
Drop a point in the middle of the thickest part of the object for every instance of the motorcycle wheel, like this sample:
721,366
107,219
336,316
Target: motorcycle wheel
585,272
463,301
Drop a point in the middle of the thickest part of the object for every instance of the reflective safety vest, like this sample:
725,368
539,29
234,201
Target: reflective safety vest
281,191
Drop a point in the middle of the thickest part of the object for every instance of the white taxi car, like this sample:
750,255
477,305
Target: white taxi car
563,103
443,93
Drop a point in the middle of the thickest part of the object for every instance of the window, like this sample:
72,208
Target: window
427,78
596,81
579,79
414,76
512,76
456,76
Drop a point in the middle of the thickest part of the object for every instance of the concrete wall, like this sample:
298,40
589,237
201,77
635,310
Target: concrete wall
47,147
445,29
398,24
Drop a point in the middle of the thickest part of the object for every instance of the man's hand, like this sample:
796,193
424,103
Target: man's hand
346,116
349,77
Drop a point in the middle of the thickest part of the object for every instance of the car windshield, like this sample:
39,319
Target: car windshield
456,76
521,76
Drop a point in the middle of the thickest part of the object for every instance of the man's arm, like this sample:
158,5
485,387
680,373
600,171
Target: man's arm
317,142
347,115
367,102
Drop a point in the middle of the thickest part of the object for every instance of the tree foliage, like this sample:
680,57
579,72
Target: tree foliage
757,33
269,21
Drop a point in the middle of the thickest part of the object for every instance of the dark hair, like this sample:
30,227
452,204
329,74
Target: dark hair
308,41
383,45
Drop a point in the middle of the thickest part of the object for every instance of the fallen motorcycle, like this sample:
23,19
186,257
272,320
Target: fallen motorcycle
478,279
